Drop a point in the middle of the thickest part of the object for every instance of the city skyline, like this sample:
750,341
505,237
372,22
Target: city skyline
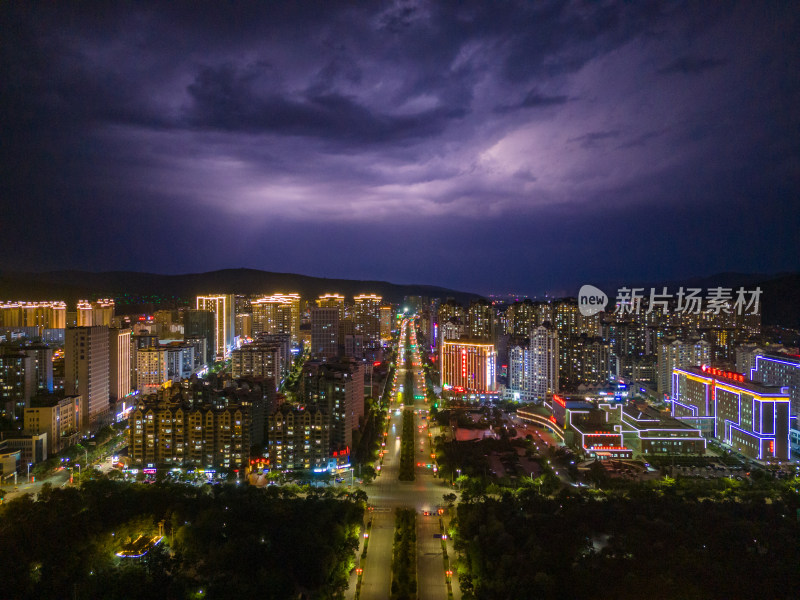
526,147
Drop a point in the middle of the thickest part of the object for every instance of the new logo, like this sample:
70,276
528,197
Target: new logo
591,300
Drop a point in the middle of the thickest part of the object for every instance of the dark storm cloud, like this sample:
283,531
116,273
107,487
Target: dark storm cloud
224,98
305,136
690,65
593,139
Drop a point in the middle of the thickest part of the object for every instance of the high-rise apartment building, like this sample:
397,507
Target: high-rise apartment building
44,315
543,360
325,332
172,432
17,382
386,319
337,389
201,324
480,320
151,369
589,362
673,354
99,312
224,320
367,316
520,318
257,360
332,301
119,348
298,439
86,373
519,372
277,314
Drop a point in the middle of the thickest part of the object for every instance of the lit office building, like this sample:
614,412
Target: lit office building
468,366
367,317
86,373
224,320
751,417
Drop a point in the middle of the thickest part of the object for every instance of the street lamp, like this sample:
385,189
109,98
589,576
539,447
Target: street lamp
29,472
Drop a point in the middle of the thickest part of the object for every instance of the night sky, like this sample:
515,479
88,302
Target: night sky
486,146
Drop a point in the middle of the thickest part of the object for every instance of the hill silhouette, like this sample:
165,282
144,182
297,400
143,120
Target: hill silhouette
136,288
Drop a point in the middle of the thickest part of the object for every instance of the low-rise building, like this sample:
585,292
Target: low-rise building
751,417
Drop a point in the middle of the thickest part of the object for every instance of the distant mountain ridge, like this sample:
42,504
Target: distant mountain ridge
127,286
780,296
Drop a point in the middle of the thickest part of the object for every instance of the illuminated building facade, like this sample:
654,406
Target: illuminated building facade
174,433
543,361
332,301
44,315
782,370
119,347
86,373
277,314
99,312
367,316
257,360
751,417
679,353
221,305
385,316
468,366
337,389
480,320
58,417
151,369
17,382
298,439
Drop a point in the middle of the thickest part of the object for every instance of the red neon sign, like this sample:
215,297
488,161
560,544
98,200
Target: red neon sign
558,399
721,373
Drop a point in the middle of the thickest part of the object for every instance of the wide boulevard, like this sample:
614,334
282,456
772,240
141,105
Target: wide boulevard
424,494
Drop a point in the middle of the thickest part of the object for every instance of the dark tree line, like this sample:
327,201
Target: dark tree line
228,541
647,543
